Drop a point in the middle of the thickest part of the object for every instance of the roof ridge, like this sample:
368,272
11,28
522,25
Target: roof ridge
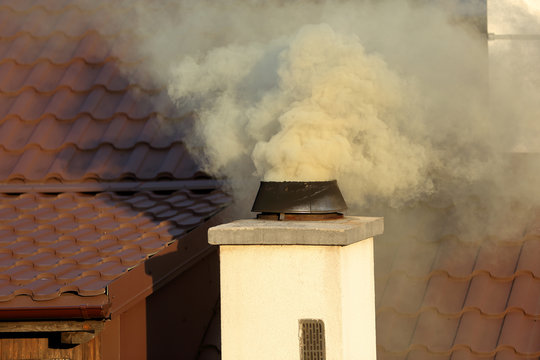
464,310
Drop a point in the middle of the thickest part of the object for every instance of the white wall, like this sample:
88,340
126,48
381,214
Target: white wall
266,289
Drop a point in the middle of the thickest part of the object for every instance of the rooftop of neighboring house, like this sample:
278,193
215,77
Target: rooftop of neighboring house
444,293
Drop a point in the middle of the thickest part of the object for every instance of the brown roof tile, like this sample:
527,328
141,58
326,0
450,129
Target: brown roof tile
528,260
82,257
477,300
522,333
67,111
451,300
488,294
69,115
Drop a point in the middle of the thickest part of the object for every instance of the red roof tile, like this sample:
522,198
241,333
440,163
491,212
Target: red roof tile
477,300
67,111
82,257
71,118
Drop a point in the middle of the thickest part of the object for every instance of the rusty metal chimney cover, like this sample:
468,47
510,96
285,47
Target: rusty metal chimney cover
299,197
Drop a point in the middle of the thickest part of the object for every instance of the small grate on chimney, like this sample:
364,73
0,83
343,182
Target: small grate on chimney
312,345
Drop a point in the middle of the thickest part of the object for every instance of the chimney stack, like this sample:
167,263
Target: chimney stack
300,290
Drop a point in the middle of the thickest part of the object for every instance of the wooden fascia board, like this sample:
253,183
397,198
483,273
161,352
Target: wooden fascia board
50,326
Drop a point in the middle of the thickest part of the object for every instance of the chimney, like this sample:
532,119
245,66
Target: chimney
301,288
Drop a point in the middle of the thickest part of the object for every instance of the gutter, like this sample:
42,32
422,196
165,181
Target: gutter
65,307
82,312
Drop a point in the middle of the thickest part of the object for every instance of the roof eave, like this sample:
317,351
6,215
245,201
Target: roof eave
24,309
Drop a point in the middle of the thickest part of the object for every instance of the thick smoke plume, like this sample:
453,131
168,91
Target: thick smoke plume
313,106
391,98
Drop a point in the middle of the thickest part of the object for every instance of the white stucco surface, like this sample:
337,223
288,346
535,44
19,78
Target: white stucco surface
267,289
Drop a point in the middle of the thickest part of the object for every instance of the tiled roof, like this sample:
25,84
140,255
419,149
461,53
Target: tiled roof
69,112
79,243
453,298
79,121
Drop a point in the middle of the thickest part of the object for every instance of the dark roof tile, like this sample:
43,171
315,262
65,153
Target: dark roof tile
110,269
487,294
522,333
479,332
403,294
44,259
22,273
528,260
7,289
43,288
392,340
90,285
436,330
455,299
445,294
526,294
497,258
6,260
8,212
423,252
92,47
43,235
44,214
65,248
456,257
68,272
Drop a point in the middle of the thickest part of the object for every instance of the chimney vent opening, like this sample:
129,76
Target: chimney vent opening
312,343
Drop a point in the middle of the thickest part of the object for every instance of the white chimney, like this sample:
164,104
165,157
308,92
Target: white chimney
298,290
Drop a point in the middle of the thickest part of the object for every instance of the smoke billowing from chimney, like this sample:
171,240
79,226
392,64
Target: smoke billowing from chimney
388,97
312,106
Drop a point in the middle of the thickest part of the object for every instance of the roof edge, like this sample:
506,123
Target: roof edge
149,276
164,185
19,308
67,312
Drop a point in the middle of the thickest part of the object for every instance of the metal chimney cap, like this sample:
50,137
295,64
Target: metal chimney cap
299,197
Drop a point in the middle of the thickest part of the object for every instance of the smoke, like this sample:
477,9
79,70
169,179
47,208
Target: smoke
400,101
391,98
323,113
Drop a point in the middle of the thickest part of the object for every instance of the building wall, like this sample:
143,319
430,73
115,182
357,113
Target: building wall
179,313
32,346
170,323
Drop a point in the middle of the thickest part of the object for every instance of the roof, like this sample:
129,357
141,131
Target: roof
94,176
79,243
445,295
68,111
